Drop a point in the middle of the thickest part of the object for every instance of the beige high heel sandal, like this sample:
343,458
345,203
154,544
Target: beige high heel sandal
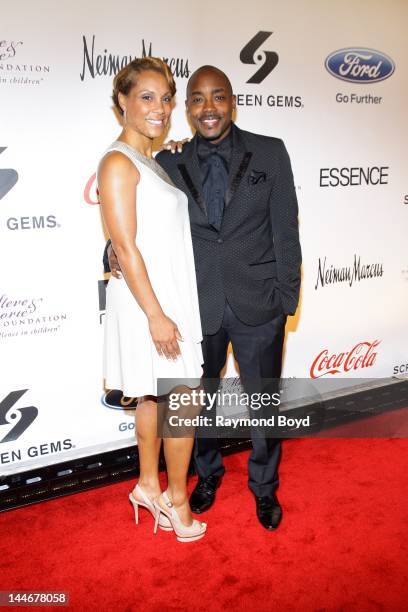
145,502
184,533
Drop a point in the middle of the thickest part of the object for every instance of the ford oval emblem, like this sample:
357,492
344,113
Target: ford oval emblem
358,65
117,401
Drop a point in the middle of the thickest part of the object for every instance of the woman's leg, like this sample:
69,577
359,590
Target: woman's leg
177,452
149,447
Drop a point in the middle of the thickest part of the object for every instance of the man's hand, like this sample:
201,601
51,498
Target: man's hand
113,263
174,145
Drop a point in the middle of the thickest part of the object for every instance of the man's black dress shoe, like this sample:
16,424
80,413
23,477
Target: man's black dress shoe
268,511
203,496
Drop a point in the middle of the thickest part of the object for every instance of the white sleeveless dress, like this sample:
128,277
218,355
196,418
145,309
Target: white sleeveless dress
131,362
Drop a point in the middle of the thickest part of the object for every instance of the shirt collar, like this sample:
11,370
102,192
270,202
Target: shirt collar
226,143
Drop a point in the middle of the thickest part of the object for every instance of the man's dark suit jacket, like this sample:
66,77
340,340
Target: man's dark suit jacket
254,261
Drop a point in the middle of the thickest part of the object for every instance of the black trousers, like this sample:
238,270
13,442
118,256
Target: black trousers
258,351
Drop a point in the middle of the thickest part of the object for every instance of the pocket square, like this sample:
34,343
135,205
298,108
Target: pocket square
256,176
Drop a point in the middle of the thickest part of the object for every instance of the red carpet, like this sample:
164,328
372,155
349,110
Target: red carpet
342,544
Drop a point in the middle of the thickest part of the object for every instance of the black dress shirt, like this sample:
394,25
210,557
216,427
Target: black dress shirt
214,161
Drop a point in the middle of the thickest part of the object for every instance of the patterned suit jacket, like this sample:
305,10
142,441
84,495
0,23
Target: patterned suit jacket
254,261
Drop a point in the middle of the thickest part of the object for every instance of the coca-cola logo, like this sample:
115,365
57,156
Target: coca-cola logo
91,191
362,355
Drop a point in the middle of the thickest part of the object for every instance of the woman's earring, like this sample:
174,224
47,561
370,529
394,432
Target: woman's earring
124,115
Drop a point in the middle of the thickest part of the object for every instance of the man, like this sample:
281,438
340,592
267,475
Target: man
243,214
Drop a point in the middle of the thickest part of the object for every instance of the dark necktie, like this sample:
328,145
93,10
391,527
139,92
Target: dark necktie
214,163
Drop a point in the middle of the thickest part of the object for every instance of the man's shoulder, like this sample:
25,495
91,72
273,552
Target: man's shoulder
251,138
167,159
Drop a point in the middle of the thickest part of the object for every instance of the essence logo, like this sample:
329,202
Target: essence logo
354,177
247,56
19,418
8,178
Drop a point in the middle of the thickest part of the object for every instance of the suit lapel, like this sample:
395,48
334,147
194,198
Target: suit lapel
239,163
191,174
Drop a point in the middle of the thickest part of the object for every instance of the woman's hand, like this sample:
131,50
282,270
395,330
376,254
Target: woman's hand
175,145
114,263
165,335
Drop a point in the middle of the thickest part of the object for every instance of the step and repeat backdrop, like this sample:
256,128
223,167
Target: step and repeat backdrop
330,79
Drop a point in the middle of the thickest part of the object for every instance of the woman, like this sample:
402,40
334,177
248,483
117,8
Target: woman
152,316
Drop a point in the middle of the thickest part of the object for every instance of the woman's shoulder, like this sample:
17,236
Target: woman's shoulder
116,164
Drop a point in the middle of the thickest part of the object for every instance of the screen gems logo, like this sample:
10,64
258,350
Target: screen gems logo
270,58
32,223
8,178
250,54
19,418
400,369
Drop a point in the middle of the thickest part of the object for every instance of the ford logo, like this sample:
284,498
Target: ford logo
116,400
358,65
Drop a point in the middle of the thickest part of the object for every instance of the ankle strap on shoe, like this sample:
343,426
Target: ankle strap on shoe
166,500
